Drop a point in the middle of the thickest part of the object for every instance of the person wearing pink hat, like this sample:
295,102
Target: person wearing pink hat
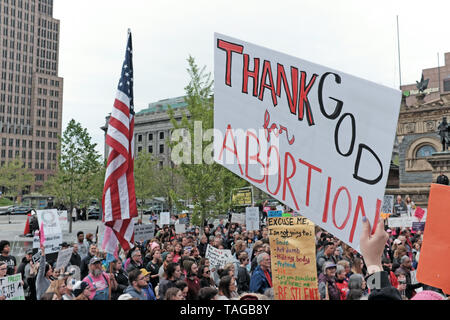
428,295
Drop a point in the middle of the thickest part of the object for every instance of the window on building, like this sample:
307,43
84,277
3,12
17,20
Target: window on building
425,151
139,137
161,148
150,137
150,149
161,135
447,84
139,149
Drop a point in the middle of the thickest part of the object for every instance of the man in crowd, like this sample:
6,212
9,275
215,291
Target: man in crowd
101,283
75,259
136,261
261,278
84,268
326,256
137,285
399,207
82,248
11,262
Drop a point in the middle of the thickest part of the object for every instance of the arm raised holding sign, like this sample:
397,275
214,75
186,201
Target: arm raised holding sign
372,246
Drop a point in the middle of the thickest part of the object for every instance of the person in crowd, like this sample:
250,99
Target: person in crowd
11,262
154,265
357,266
328,289
399,253
257,250
356,287
84,268
227,289
243,276
82,248
148,289
81,290
346,265
121,277
100,282
387,266
68,294
326,256
167,258
177,253
173,274
75,259
207,293
136,261
174,294
137,285
89,239
3,271
182,285
341,281
58,287
401,279
45,271
31,270
204,275
410,206
203,245
193,282
261,278
406,267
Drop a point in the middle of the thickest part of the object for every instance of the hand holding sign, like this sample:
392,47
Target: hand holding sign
372,246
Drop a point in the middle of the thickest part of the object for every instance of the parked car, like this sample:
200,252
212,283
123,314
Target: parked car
20,210
5,210
94,213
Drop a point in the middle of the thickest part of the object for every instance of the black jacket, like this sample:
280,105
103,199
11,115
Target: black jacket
243,280
122,283
75,259
84,267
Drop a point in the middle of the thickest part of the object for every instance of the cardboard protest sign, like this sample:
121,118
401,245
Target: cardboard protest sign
165,218
183,218
11,287
252,218
242,197
238,218
218,258
144,232
180,228
293,258
63,258
316,139
433,267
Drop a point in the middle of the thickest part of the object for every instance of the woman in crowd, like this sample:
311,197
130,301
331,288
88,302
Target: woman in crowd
356,287
227,288
58,287
154,265
204,274
243,276
174,294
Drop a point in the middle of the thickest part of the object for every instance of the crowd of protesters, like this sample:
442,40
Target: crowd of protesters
173,266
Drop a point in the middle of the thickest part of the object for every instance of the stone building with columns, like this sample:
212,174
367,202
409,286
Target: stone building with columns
420,156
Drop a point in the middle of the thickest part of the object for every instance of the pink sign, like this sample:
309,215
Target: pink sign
266,209
419,213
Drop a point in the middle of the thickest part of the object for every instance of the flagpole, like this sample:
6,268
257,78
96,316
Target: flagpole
399,67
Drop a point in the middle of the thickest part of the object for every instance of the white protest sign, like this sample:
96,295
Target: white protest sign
316,139
164,218
62,215
50,220
388,204
11,287
218,258
252,218
52,230
180,228
63,258
401,222
238,218
144,232
37,256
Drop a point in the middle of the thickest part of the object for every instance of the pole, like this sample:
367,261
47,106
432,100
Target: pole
398,44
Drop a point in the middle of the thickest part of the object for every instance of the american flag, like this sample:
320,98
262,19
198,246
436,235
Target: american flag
119,198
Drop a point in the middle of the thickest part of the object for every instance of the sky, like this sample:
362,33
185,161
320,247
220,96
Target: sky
355,37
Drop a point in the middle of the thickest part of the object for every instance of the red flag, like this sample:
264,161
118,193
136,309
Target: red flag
119,198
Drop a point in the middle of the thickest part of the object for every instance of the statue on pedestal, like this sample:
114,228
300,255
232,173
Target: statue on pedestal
443,130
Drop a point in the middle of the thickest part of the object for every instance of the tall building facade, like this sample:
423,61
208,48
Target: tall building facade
31,93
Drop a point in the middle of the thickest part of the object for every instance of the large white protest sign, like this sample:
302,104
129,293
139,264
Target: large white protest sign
63,258
164,218
180,228
49,219
316,139
401,222
252,218
11,287
144,232
238,218
218,258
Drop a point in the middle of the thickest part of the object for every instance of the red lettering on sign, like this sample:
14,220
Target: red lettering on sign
229,47
246,73
336,197
234,150
310,167
253,157
278,171
267,71
286,178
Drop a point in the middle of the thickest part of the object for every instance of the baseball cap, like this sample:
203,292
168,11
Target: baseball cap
29,251
95,260
144,272
328,265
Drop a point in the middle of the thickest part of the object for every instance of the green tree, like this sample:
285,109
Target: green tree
208,185
15,178
77,180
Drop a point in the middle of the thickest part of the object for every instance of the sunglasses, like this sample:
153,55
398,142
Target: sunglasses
208,271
